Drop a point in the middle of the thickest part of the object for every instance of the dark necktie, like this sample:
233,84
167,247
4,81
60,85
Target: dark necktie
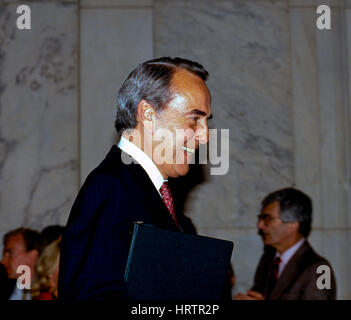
275,267
168,200
273,276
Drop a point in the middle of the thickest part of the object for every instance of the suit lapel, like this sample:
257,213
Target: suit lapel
155,206
290,272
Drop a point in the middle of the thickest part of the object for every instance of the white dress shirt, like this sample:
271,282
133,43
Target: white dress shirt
144,160
286,255
19,294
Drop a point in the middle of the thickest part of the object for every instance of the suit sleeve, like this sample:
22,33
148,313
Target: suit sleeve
259,279
95,244
262,270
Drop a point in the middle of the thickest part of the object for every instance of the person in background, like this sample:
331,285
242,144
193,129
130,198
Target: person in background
22,246
6,285
51,233
288,267
44,286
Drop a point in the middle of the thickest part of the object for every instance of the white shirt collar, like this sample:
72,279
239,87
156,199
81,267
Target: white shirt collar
144,160
286,255
18,294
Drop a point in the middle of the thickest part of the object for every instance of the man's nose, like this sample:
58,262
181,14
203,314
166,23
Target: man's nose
260,224
202,132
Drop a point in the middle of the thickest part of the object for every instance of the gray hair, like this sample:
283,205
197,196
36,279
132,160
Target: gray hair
150,81
295,206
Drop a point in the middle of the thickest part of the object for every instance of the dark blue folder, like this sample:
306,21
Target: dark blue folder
168,265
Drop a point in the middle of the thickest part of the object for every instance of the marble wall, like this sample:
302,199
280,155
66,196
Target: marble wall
38,114
113,40
321,107
278,84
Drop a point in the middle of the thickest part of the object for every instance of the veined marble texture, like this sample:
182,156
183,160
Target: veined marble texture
245,47
113,41
38,128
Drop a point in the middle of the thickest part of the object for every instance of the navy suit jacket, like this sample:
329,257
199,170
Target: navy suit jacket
95,244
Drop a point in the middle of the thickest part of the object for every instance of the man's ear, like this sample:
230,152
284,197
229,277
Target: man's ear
146,115
294,226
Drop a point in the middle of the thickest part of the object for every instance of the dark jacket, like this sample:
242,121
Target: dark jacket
6,285
298,281
95,244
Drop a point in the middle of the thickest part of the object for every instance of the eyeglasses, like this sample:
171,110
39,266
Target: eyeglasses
266,218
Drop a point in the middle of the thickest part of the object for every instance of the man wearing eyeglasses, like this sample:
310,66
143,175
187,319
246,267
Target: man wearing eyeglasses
289,268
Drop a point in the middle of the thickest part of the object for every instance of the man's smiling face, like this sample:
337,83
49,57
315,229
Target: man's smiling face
185,118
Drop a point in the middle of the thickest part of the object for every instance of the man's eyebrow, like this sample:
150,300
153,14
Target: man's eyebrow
199,113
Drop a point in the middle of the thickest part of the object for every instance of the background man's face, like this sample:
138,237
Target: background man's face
187,112
274,232
15,254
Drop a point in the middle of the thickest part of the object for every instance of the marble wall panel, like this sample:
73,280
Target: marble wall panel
113,42
347,115
316,239
245,47
305,107
315,3
320,109
321,121
336,250
115,3
38,116
30,2
331,65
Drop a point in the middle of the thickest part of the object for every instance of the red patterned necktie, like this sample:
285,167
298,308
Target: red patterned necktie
276,263
168,200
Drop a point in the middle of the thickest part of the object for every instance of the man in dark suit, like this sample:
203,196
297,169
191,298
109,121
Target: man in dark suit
289,268
22,247
162,112
6,285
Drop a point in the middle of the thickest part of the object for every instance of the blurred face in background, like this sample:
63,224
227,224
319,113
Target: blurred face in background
269,224
16,254
274,232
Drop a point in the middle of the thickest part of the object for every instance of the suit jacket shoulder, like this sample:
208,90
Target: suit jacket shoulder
298,281
95,244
